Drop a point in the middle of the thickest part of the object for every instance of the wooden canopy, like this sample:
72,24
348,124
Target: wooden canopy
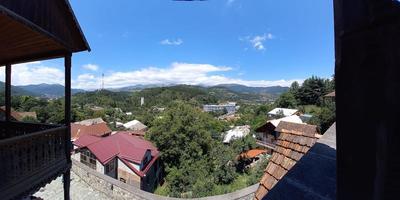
38,30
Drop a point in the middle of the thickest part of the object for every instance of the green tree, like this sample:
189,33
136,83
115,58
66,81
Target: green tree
182,133
324,119
312,90
286,100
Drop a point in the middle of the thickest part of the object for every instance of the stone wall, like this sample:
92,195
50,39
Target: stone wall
118,190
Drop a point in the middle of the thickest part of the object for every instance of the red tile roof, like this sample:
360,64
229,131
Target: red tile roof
124,146
86,140
293,142
100,129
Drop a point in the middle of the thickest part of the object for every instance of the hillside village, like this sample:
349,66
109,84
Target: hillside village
191,138
142,148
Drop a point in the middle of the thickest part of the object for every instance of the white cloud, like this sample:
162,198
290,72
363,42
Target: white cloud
91,67
34,73
257,42
172,42
177,73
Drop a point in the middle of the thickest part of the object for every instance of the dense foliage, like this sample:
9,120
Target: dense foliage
196,163
309,98
195,160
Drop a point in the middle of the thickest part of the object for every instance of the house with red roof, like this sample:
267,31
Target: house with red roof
124,157
96,129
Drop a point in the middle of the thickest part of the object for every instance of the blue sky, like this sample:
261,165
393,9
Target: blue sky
256,43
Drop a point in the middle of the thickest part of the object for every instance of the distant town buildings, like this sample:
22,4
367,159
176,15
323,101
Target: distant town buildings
230,107
127,158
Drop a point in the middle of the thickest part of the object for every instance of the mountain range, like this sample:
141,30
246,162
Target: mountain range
39,90
57,90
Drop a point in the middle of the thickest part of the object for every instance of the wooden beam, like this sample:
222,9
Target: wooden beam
8,93
67,119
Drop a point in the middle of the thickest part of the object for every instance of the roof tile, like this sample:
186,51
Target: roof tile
294,140
261,192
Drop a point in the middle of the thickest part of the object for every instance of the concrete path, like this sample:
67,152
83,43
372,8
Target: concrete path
79,190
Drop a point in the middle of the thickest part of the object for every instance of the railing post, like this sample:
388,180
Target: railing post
67,119
8,93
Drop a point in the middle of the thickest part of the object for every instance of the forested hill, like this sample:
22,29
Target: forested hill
15,90
48,90
163,96
39,90
274,90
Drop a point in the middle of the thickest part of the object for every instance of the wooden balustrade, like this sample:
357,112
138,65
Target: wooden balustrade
30,155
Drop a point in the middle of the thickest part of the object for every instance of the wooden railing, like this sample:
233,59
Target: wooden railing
31,155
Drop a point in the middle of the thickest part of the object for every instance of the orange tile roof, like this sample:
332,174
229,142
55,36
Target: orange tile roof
293,142
252,153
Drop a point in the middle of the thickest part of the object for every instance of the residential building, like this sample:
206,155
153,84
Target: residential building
266,134
303,165
135,125
236,132
230,107
127,158
282,112
79,130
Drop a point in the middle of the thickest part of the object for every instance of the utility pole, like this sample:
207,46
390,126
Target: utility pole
102,81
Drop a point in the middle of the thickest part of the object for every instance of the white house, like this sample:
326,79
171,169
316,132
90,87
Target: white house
135,125
277,112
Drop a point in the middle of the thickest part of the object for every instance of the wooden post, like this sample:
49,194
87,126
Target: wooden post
67,119
8,93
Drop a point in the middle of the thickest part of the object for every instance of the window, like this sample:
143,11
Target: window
88,159
110,167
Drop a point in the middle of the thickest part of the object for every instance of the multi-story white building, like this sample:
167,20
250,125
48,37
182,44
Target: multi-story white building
230,107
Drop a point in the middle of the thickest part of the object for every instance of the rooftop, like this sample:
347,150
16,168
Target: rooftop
291,145
78,130
292,118
120,145
135,125
296,128
314,175
285,111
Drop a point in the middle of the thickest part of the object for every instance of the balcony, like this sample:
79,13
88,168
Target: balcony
34,154
266,144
